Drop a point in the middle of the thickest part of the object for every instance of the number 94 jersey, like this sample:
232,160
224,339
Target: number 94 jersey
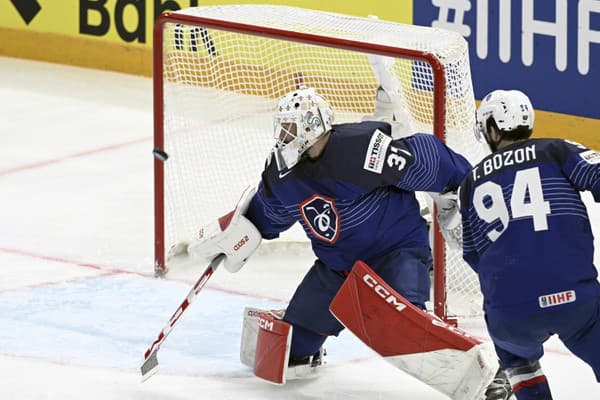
526,231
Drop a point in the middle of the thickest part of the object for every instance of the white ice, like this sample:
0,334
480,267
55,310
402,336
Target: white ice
78,303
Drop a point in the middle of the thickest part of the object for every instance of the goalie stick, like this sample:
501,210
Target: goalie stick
150,364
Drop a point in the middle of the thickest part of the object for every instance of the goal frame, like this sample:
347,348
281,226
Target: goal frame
439,117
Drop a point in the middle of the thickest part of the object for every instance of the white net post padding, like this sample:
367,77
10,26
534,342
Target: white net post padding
221,69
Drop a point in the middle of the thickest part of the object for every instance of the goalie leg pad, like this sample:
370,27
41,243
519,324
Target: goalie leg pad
272,349
250,331
265,347
249,335
416,342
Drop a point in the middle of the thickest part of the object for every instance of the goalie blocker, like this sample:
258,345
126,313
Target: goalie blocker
232,235
442,356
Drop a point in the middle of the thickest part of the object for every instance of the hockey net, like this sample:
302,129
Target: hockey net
218,72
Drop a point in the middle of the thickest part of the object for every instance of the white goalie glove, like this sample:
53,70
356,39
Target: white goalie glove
448,217
232,234
388,106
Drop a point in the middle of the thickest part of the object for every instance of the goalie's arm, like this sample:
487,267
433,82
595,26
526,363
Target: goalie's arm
268,215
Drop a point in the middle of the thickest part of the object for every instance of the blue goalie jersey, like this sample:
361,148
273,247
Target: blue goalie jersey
526,231
357,201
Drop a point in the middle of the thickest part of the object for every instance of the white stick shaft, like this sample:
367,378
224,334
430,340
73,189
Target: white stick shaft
212,267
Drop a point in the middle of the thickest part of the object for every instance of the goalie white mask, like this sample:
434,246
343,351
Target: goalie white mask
510,109
301,118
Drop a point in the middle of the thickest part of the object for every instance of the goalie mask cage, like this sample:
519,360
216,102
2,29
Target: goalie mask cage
218,72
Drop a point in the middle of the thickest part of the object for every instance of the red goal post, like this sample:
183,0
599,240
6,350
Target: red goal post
218,72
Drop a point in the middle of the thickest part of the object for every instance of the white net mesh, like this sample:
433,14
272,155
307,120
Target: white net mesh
220,89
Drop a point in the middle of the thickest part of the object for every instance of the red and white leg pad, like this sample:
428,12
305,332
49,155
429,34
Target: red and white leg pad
249,335
444,357
265,347
272,348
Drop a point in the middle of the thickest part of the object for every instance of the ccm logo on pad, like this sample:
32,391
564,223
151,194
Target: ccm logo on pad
383,293
265,324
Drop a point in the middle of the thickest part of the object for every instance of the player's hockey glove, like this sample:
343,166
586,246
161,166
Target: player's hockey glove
448,217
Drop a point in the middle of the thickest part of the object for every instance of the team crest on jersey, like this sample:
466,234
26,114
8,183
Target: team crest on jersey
321,217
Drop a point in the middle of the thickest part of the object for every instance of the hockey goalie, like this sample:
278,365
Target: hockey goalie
352,188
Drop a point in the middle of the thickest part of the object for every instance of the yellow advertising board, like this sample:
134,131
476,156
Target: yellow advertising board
117,35
130,21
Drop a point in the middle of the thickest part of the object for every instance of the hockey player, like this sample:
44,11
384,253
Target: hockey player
526,232
352,188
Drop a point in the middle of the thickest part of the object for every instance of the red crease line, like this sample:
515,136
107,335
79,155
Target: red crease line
71,156
65,261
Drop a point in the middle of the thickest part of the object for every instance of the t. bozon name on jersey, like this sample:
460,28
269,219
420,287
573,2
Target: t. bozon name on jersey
504,159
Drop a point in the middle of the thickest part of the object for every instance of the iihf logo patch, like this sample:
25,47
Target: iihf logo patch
321,217
555,299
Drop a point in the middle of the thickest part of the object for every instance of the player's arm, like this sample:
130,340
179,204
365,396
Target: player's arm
582,168
469,249
448,217
417,163
433,167
268,214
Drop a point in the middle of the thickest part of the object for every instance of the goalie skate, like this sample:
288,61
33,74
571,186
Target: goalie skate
305,367
500,388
